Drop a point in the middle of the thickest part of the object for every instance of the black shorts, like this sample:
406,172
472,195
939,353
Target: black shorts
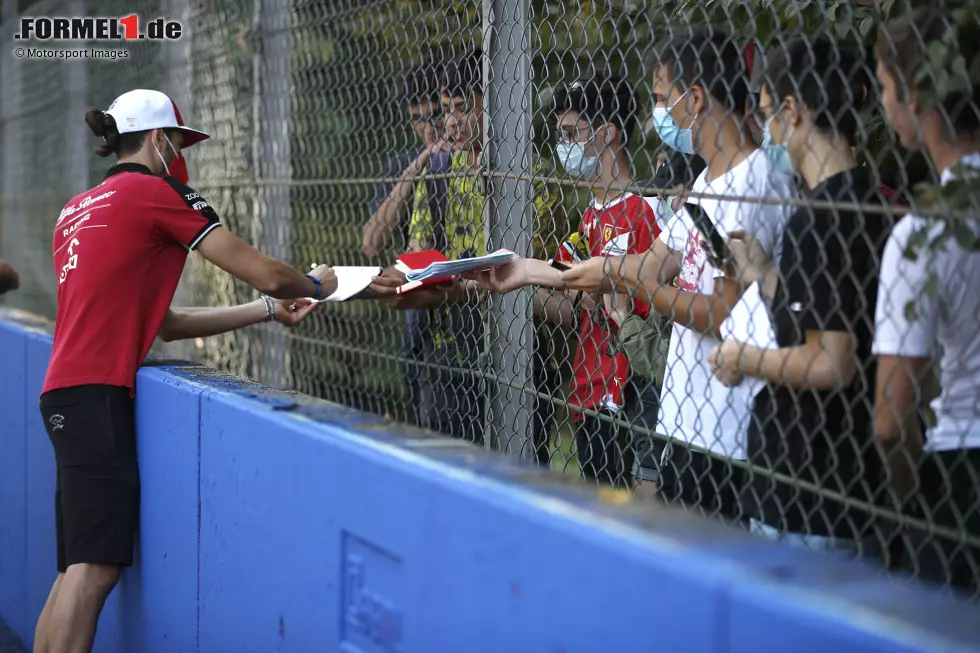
695,480
604,451
93,431
949,497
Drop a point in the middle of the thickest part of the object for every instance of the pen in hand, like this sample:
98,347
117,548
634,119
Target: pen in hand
292,307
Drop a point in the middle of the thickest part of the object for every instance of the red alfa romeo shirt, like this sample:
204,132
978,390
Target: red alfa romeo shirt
627,225
119,250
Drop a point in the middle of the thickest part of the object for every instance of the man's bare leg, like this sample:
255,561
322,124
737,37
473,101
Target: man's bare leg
42,629
83,591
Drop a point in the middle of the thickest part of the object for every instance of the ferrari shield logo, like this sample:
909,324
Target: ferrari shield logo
607,233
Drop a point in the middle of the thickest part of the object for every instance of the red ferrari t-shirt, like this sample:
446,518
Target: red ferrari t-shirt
119,250
627,225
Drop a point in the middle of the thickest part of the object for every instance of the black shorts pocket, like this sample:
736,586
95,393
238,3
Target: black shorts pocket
81,430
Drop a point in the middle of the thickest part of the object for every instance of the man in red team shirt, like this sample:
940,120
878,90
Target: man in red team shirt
595,120
119,250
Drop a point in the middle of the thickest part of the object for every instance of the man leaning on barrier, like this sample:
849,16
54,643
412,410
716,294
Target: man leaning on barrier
595,120
930,297
700,91
9,279
452,382
119,250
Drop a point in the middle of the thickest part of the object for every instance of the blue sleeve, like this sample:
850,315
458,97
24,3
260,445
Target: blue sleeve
396,165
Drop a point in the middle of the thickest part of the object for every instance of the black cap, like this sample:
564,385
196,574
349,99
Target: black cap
600,102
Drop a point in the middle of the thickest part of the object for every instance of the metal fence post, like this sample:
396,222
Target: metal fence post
507,110
177,73
11,171
271,160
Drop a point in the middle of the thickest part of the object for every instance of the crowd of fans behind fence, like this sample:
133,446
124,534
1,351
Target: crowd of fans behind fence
756,342
753,344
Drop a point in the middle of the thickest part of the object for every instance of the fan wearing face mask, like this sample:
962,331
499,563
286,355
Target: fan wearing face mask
700,91
811,421
594,121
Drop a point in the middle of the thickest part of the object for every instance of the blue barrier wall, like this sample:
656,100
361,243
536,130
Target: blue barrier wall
271,521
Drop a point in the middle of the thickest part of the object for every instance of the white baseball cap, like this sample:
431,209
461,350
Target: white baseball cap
143,109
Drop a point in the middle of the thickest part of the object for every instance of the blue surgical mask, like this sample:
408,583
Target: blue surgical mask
681,140
573,159
667,204
778,154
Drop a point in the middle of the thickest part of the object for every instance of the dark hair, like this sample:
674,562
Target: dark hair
464,76
420,83
678,169
709,58
832,78
604,101
104,125
904,49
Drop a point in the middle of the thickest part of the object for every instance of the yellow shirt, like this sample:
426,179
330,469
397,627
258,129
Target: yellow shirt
466,195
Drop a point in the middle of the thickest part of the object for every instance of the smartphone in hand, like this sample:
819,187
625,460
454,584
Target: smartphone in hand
715,245
558,265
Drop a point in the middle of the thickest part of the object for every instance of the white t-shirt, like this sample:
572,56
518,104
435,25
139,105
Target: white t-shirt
950,317
694,406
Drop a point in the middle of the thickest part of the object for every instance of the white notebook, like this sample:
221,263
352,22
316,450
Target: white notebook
459,266
350,281
749,323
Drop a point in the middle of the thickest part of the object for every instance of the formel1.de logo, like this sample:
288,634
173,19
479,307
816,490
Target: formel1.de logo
126,28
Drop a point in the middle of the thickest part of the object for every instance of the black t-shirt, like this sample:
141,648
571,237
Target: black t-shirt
829,271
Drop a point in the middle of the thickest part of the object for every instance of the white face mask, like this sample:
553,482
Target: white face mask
573,159
160,156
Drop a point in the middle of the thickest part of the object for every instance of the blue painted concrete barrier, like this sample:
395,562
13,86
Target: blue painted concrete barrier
271,521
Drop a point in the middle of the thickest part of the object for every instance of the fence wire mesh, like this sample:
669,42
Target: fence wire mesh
351,132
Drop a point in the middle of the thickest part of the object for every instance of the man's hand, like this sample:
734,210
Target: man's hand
426,297
724,363
385,285
749,262
9,279
591,275
439,146
617,307
328,277
291,312
502,278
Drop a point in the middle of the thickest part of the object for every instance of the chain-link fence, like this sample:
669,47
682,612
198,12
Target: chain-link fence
742,378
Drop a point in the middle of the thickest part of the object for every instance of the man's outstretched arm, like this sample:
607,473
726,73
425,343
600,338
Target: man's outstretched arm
186,323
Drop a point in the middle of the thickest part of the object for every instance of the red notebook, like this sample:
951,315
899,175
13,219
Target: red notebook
419,261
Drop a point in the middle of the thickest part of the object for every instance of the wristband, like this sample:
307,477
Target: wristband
270,307
319,286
